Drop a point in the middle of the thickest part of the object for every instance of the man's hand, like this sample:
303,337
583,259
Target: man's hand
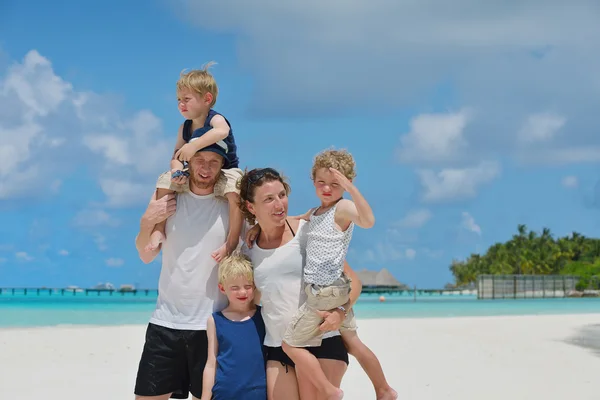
159,210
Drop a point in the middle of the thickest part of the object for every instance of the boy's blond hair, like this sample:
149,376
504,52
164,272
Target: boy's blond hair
200,81
338,159
234,266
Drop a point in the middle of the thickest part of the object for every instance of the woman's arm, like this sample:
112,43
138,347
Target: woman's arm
334,318
210,369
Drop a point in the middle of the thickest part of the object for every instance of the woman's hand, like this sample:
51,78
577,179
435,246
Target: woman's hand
332,319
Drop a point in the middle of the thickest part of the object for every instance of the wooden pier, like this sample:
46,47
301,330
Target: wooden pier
74,291
382,290
412,292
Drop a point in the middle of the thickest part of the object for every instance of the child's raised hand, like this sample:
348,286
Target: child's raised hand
185,153
344,182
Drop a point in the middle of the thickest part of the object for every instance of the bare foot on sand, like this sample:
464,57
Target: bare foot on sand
338,395
388,394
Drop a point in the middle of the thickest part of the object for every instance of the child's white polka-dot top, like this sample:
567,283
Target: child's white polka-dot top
326,249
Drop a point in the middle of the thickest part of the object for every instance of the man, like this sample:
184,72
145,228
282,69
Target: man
176,344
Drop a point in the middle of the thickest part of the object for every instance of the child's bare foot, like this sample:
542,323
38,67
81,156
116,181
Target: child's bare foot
337,395
156,238
219,254
387,394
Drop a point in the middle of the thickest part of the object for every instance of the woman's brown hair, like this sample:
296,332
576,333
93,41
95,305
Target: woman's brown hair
250,181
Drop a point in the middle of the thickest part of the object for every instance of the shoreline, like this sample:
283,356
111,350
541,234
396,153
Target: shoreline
359,319
405,319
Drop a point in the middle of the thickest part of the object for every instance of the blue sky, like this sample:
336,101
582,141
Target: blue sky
464,122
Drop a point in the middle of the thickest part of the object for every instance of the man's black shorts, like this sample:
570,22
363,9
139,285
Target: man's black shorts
331,348
173,361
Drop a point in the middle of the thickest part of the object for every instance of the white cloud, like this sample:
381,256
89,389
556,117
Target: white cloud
47,127
23,256
570,182
100,242
63,252
122,193
415,218
386,251
541,127
93,218
114,149
114,262
29,93
434,138
456,183
468,223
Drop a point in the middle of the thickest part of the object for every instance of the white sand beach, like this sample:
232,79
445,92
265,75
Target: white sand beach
489,358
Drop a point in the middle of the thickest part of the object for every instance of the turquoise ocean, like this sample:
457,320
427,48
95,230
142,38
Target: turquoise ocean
31,310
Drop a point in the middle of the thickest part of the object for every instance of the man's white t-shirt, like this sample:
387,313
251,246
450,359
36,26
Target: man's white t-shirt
188,290
278,275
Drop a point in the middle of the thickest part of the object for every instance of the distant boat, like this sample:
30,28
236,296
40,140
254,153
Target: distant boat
127,288
104,286
75,289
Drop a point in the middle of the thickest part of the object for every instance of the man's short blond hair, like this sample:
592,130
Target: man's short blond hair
234,266
338,159
200,81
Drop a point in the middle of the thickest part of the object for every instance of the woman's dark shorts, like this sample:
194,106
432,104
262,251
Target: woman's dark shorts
331,349
173,361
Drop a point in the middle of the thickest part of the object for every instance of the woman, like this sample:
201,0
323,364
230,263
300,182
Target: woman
278,259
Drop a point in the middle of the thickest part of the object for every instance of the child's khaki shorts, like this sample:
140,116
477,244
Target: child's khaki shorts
303,330
227,182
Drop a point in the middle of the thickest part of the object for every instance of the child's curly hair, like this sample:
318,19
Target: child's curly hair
338,159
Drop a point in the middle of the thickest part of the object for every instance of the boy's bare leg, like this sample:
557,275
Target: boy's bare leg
236,221
158,233
370,364
308,365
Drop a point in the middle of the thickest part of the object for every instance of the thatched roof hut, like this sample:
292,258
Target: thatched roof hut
379,278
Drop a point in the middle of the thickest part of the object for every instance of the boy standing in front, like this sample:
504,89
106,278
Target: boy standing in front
235,367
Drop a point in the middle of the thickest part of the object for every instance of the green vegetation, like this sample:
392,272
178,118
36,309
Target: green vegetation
530,253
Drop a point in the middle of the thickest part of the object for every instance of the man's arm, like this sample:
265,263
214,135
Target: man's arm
210,369
157,211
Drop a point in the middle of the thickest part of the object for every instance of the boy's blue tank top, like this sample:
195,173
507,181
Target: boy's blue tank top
241,360
232,158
